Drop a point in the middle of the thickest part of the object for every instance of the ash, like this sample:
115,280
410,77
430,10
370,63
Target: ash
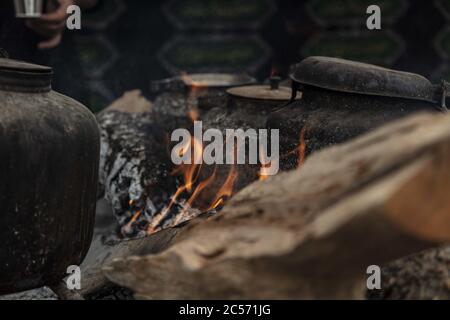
135,168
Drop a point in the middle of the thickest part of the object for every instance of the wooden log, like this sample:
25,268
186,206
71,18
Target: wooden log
103,253
104,250
136,168
312,233
40,294
135,164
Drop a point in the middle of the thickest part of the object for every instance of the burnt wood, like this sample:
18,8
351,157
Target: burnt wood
135,164
313,232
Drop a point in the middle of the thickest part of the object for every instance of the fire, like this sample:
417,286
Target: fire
263,172
302,148
188,79
226,191
193,186
263,176
300,151
133,220
200,187
190,172
193,115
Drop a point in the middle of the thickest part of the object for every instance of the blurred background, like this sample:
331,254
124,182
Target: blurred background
124,44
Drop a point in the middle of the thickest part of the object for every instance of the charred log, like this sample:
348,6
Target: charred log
135,165
312,233
44,293
136,172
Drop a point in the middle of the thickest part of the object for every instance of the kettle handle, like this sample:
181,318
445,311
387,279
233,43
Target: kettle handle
445,93
295,87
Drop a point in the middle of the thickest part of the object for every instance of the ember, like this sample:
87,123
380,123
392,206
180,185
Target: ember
302,148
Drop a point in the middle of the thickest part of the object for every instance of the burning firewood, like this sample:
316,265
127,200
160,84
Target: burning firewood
146,190
135,165
313,232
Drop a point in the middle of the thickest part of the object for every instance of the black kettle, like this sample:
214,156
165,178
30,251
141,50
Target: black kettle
342,99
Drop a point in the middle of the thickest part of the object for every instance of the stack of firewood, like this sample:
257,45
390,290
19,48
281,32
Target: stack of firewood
308,233
381,199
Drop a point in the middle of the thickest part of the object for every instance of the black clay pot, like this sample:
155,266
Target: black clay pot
49,153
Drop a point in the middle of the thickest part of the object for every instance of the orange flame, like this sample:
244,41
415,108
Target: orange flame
226,191
133,220
190,174
193,114
191,185
263,174
300,151
191,171
188,79
302,148
201,186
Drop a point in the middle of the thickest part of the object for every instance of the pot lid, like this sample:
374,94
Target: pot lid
355,77
262,92
271,92
24,77
202,81
216,80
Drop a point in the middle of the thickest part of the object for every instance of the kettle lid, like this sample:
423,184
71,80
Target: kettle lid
361,78
261,92
24,77
216,80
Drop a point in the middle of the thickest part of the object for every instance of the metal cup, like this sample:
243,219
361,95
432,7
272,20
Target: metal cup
28,8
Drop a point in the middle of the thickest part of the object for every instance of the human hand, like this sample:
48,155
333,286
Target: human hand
52,24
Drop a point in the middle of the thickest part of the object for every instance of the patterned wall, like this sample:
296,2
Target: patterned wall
126,44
